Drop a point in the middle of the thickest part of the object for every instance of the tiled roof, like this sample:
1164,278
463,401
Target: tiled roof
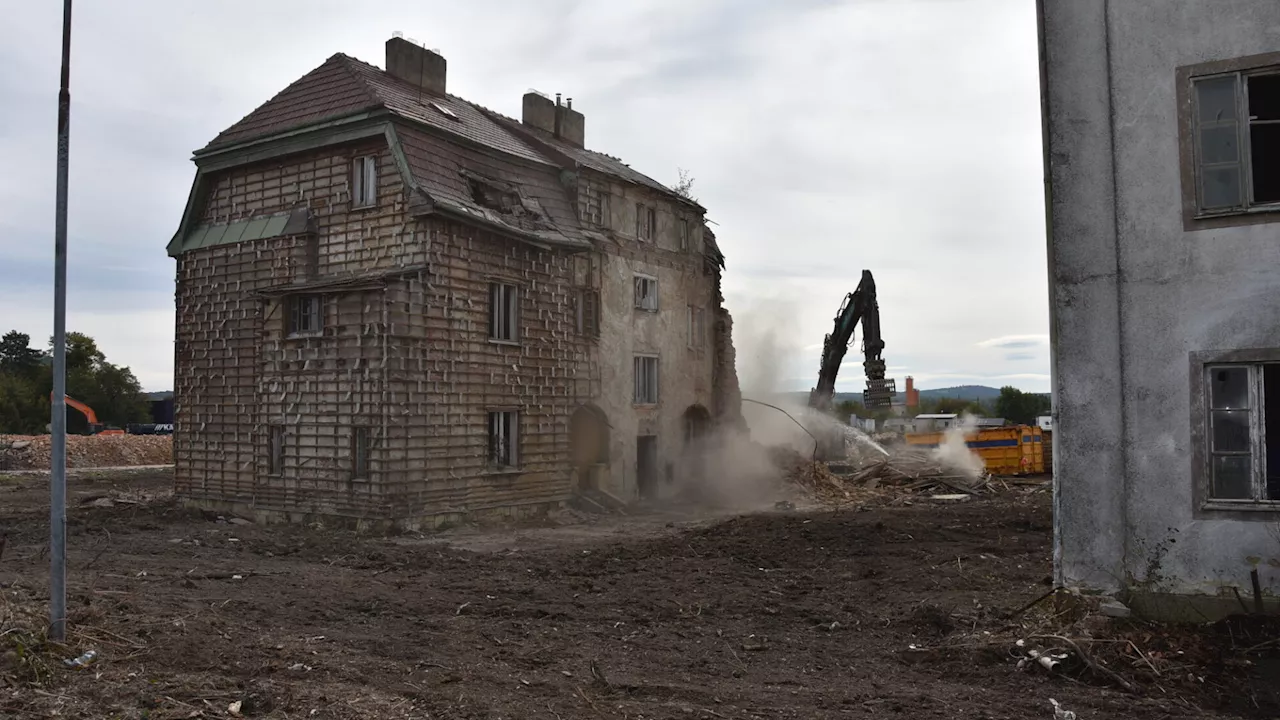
344,85
330,91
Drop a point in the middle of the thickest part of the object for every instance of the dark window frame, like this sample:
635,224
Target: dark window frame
588,312
504,312
1206,506
295,314
647,390
275,450
361,447
1193,216
502,431
364,182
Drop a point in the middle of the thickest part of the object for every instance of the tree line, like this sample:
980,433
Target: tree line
1014,405
26,386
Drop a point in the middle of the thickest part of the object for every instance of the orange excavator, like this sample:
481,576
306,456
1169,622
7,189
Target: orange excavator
95,427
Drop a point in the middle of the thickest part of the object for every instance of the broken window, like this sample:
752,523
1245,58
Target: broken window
275,449
646,221
504,312
306,315
697,328
1236,121
646,370
360,453
1243,417
364,182
684,234
589,313
593,203
646,293
504,436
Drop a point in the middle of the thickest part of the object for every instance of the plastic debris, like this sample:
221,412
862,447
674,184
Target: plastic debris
82,661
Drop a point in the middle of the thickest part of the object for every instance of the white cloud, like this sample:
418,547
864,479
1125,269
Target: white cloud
824,137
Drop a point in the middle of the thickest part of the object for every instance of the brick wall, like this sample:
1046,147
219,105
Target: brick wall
405,353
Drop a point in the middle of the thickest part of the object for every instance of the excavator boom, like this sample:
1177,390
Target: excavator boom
859,306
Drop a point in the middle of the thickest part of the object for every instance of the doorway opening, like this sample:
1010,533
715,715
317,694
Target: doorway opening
647,465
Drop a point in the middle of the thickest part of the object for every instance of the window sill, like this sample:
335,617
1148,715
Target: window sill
370,206
1244,510
644,405
304,336
648,310
1236,212
498,472
508,343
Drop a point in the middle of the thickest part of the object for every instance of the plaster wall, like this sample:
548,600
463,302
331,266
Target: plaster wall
1135,295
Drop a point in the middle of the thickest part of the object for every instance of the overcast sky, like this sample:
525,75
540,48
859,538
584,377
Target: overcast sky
825,137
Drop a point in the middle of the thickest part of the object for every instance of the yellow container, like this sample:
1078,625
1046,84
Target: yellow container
1013,450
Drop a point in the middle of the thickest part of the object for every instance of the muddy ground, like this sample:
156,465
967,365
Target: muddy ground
771,615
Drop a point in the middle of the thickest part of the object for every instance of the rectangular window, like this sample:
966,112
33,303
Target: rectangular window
275,449
504,438
306,315
589,313
504,312
646,221
646,369
646,293
364,182
697,327
594,204
360,453
684,234
1236,134
1243,405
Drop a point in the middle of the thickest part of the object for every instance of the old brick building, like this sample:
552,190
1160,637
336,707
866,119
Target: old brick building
396,305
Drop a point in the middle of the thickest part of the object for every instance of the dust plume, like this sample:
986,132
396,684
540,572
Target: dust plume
954,454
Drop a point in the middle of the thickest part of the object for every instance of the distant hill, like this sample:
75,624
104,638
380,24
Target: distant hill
980,393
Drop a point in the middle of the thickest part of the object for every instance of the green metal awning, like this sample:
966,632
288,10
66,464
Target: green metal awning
268,226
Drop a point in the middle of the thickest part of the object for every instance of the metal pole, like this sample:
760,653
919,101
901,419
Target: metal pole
58,477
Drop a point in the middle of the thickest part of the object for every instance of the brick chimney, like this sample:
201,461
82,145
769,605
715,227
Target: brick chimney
912,398
555,117
416,65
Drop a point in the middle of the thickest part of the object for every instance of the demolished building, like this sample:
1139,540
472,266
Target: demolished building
398,306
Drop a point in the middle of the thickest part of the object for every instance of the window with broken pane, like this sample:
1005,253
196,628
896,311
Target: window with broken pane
646,288
504,430
1236,121
1243,423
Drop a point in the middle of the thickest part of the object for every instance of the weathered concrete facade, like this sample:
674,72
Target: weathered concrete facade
390,307
1158,286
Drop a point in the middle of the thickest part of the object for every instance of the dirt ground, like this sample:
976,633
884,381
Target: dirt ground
889,611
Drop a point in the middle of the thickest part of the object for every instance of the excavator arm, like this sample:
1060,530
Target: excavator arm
859,306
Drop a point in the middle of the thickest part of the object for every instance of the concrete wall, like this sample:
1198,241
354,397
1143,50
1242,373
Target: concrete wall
1134,295
685,373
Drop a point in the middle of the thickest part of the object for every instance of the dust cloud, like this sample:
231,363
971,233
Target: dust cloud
954,454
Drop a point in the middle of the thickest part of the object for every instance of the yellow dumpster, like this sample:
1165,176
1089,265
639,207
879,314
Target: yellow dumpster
1012,450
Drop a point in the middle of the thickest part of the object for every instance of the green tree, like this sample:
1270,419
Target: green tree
1020,407
17,356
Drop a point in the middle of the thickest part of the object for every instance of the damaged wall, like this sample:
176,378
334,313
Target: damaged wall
685,362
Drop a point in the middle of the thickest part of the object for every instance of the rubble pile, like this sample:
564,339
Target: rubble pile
812,477
916,470
32,452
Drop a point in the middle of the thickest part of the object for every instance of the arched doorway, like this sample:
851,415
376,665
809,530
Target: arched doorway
697,422
588,443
